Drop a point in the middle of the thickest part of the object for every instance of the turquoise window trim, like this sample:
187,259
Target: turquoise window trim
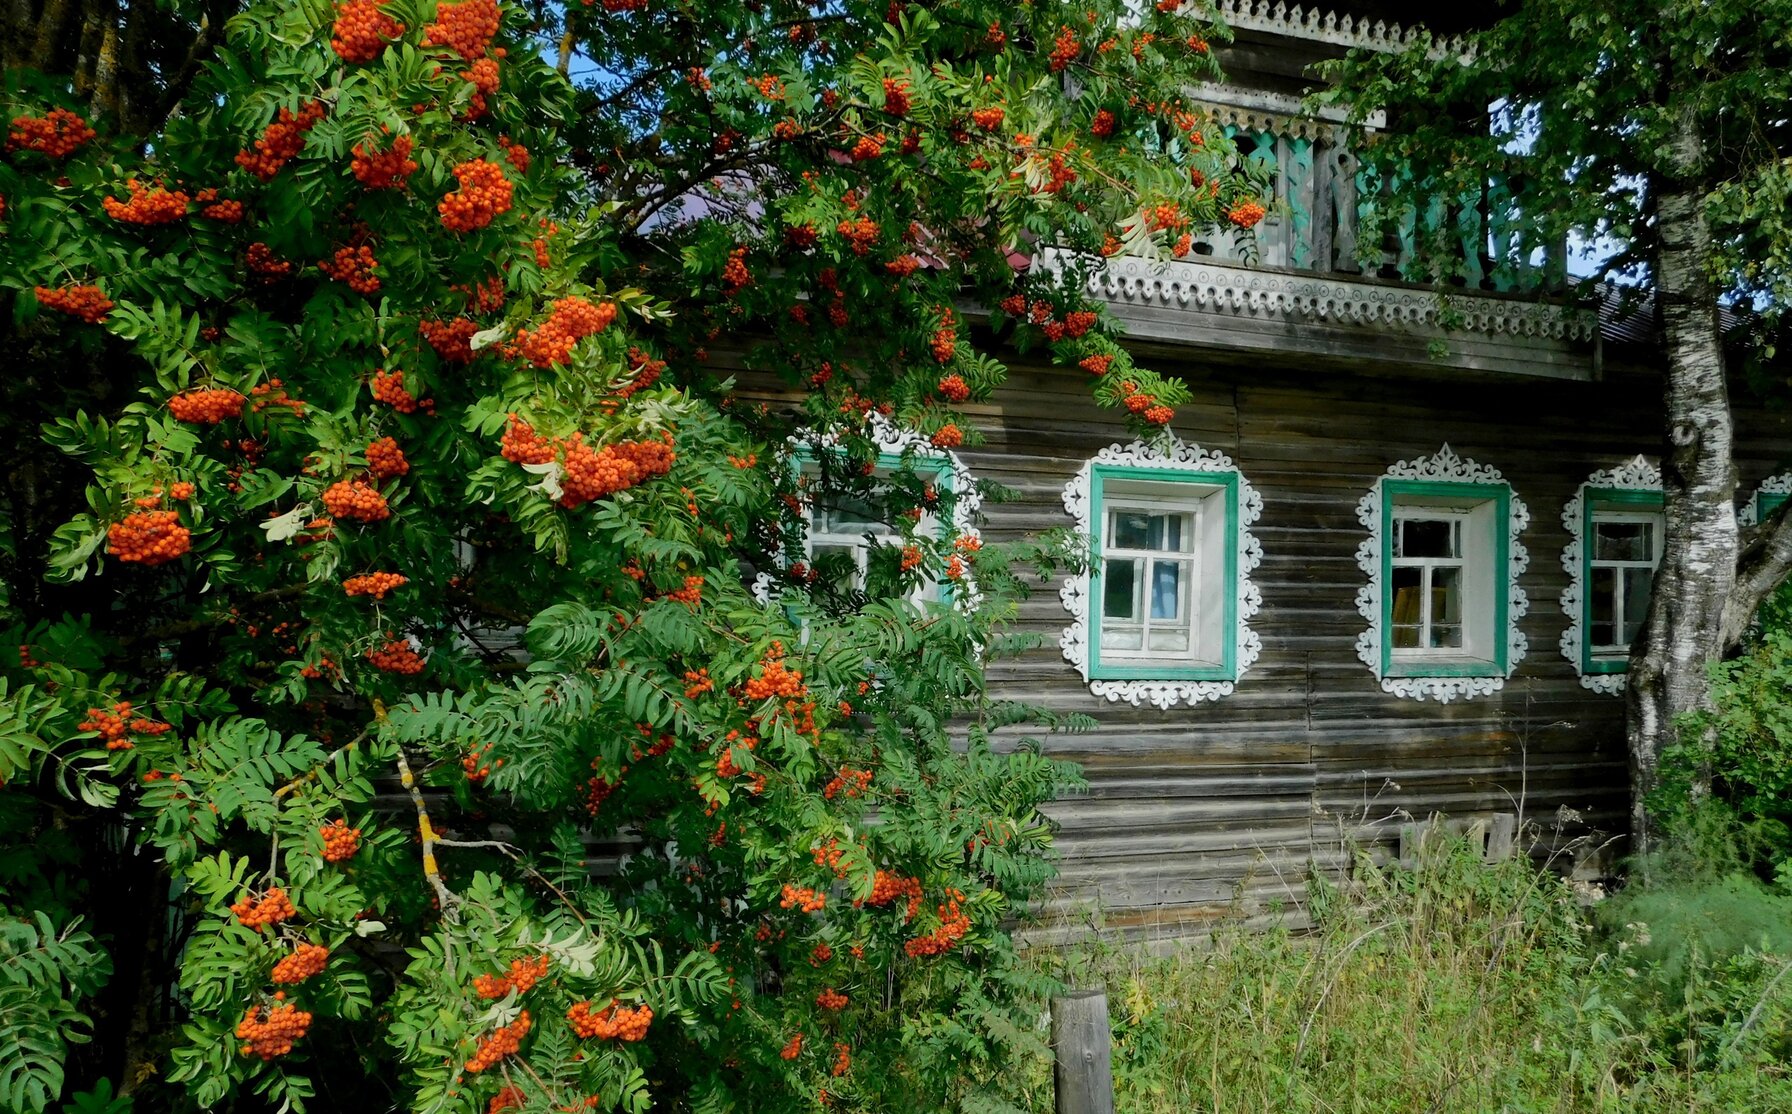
1766,502
1500,494
1227,668
1604,499
938,468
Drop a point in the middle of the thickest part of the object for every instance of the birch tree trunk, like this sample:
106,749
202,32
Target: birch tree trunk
1685,631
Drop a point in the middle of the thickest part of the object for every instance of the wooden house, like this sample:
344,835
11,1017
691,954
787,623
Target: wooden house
1390,569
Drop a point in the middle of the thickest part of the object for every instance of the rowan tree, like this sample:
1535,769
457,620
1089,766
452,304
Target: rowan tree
422,697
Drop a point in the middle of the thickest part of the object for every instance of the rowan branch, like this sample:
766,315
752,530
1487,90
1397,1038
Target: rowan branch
445,897
314,772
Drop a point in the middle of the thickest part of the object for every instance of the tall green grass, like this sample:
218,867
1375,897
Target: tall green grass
1455,986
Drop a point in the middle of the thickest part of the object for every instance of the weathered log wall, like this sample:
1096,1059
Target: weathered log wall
1224,807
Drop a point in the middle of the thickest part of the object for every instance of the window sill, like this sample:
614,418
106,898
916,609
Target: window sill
1607,665
1443,667
1146,670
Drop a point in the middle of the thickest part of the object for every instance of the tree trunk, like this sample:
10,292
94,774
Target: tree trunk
1685,631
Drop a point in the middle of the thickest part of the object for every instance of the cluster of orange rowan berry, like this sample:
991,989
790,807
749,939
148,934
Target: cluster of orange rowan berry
386,460
911,554
1245,214
117,726
271,908
452,341
948,436
264,265
726,766
515,154
989,119
473,764
810,901
57,134
954,388
614,1022
274,1035
861,234
361,30
831,999
510,1098
896,98
592,475
375,584
356,499
484,193
569,321
647,372
483,76
697,682
598,789
1078,322
522,977
944,344
887,887
88,303
353,267
149,538
735,275
849,781
207,405
1096,365
282,139
305,961
340,841
505,1040
465,28
522,445
273,393
148,205
691,593
396,656
868,147
389,387
1103,124
775,678
829,854
384,170
485,296
954,924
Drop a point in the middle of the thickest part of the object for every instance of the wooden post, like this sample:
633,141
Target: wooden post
1082,1053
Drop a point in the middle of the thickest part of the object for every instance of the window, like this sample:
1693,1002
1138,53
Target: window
1625,549
1150,567
1162,615
1443,558
1615,527
855,548
1445,562
1620,547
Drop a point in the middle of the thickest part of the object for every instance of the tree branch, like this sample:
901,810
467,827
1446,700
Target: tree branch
445,897
1763,561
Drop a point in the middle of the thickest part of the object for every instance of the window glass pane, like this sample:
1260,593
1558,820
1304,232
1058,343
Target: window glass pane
1624,541
1122,637
1446,607
1602,605
1167,532
1168,584
1427,537
1119,580
1170,639
1637,585
1131,530
1406,606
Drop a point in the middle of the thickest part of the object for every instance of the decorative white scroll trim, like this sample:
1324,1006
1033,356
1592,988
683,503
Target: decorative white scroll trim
1212,287
894,440
1327,27
1780,483
1636,474
1444,466
1171,455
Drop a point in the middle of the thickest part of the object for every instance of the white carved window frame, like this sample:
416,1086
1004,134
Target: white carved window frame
1636,474
1181,461
893,441
1778,486
1443,467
